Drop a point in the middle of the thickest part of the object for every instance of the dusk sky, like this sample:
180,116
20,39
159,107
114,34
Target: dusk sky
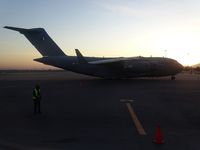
126,28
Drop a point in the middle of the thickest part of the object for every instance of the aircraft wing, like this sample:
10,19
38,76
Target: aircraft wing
112,63
104,62
109,61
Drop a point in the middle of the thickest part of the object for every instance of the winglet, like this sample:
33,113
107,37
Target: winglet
80,57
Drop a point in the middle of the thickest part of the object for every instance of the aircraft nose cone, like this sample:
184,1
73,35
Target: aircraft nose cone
179,67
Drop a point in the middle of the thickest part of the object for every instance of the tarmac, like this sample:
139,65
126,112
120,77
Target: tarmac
81,112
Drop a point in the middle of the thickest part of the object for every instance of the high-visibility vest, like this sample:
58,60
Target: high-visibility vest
36,94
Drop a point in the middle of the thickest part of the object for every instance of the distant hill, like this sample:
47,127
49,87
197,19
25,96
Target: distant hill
197,65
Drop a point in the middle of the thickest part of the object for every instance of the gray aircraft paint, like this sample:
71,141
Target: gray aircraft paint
95,66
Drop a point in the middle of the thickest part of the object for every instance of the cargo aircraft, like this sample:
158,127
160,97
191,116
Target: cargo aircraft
108,68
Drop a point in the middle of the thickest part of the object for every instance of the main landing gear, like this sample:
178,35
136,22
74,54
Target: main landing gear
173,78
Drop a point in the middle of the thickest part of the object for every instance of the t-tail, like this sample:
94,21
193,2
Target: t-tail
41,40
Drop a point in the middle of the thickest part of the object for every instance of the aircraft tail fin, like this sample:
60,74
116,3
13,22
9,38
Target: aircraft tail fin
41,40
80,57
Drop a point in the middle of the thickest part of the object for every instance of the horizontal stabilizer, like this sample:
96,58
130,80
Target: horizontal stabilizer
16,29
80,57
41,40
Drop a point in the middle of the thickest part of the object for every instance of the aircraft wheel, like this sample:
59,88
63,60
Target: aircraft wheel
173,77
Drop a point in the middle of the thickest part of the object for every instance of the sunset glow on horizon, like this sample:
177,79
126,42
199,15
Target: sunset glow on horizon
109,28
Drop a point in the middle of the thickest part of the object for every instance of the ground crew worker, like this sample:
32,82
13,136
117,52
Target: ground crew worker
36,99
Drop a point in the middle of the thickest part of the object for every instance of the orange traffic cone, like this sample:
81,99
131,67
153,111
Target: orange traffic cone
158,136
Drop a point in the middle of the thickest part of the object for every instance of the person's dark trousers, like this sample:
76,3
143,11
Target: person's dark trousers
37,107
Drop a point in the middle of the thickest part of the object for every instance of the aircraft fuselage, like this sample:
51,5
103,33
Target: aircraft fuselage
126,68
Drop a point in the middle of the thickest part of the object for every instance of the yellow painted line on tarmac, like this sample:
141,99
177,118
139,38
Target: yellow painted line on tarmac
135,119
126,100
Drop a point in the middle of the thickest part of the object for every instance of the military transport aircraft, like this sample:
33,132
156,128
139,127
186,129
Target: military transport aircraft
109,68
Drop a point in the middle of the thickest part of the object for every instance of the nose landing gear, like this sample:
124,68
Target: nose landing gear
173,78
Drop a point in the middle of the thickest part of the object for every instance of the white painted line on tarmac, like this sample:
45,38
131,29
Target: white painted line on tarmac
126,100
135,119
